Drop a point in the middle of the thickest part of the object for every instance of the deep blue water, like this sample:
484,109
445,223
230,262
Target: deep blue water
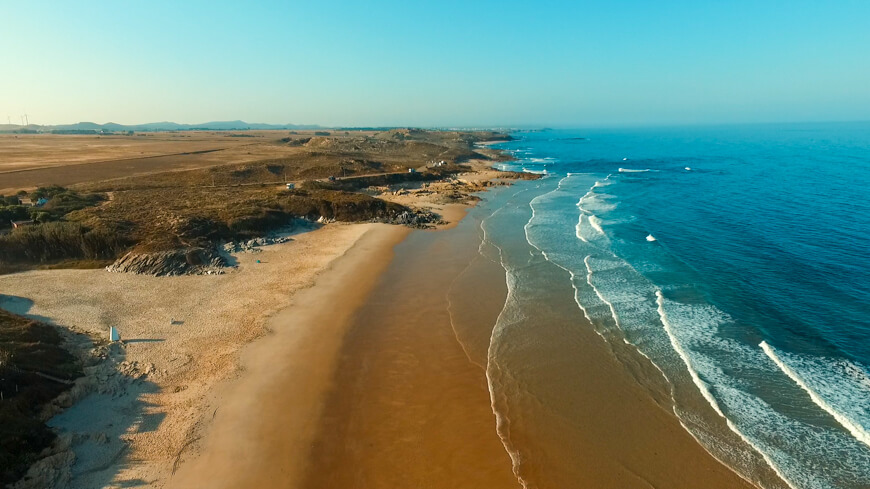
737,258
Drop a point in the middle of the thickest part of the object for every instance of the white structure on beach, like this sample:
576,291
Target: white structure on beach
113,334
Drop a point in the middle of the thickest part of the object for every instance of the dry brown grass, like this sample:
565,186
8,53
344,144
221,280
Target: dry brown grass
153,209
31,160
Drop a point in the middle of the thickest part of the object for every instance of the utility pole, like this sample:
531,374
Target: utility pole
26,121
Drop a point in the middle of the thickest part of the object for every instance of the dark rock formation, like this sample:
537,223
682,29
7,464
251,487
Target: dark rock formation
185,261
415,219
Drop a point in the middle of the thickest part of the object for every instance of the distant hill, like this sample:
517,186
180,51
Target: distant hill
154,126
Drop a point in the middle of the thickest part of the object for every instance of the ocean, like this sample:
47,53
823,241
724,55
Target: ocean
736,259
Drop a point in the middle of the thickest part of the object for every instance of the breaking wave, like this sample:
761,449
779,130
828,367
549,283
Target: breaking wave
847,402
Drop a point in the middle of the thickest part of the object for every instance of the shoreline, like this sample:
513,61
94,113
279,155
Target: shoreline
419,356
157,390
406,395
342,338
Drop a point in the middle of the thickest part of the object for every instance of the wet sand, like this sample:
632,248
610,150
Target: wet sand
377,377
408,408
410,405
580,412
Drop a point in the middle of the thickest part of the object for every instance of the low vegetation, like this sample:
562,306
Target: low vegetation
196,208
51,204
52,238
53,241
34,370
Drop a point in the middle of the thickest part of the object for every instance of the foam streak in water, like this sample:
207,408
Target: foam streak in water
704,388
595,222
578,227
854,427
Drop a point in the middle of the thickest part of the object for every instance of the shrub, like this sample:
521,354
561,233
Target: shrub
62,202
13,213
28,348
55,241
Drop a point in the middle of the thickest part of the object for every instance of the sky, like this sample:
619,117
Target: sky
430,64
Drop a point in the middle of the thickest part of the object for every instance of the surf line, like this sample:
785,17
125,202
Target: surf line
855,429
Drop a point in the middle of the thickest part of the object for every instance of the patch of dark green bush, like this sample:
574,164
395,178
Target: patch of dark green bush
29,352
53,241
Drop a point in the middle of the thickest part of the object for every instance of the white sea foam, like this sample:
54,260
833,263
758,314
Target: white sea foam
629,170
595,222
593,203
615,295
697,326
573,277
858,406
578,228
537,172
598,293
702,386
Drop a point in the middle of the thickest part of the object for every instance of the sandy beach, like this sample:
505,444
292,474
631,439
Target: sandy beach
410,405
333,361
267,419
145,407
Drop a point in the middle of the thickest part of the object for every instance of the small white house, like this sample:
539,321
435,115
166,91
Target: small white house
114,335
291,186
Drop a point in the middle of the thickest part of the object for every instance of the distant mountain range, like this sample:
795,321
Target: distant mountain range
154,126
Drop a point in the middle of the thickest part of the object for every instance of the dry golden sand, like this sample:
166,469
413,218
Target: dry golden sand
150,421
267,420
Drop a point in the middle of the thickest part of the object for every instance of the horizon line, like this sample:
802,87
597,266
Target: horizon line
521,126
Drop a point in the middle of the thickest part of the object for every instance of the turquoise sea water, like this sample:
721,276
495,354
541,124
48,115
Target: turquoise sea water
737,259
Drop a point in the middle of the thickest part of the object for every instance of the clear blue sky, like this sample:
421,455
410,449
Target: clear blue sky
558,63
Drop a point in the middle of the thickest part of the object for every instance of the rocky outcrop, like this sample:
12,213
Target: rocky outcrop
253,245
185,261
415,219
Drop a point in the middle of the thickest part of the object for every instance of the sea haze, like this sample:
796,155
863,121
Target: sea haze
736,259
